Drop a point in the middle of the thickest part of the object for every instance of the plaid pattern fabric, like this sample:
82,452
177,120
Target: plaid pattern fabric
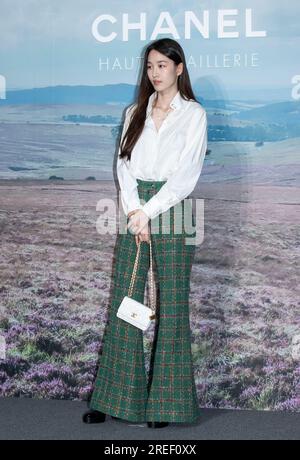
122,388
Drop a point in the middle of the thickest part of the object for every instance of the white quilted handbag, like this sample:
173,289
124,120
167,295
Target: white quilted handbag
131,310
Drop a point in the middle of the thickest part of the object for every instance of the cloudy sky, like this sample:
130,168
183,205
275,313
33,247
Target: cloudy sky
50,42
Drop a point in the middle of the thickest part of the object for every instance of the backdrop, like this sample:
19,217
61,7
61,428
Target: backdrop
68,71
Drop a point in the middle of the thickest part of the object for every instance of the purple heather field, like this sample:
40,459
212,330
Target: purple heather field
244,301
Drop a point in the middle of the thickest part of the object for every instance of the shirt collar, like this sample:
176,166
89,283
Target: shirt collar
176,103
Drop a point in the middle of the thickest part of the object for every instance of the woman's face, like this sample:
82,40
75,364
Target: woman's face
162,71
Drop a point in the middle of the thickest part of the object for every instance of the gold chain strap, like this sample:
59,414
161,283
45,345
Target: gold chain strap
133,276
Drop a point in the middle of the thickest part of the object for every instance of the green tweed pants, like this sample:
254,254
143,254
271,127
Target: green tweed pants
121,387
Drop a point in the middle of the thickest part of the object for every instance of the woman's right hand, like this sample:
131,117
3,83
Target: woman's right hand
144,235
137,238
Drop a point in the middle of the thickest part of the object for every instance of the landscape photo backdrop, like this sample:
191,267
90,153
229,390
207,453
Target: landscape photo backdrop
63,95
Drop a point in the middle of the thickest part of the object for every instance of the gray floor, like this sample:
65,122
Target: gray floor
26,418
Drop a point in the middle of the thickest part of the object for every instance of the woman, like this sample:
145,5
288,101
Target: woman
161,154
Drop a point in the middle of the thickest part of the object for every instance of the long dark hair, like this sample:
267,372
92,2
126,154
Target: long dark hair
172,50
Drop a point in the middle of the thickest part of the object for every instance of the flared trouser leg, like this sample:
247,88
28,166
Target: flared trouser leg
121,387
121,382
172,396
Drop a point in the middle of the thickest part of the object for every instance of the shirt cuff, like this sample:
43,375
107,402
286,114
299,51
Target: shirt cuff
152,208
129,203
133,206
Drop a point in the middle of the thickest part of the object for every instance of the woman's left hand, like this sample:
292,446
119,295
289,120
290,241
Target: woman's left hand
137,222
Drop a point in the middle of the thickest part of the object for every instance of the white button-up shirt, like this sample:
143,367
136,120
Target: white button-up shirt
175,153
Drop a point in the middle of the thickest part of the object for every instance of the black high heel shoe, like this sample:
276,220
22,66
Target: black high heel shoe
93,416
157,424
